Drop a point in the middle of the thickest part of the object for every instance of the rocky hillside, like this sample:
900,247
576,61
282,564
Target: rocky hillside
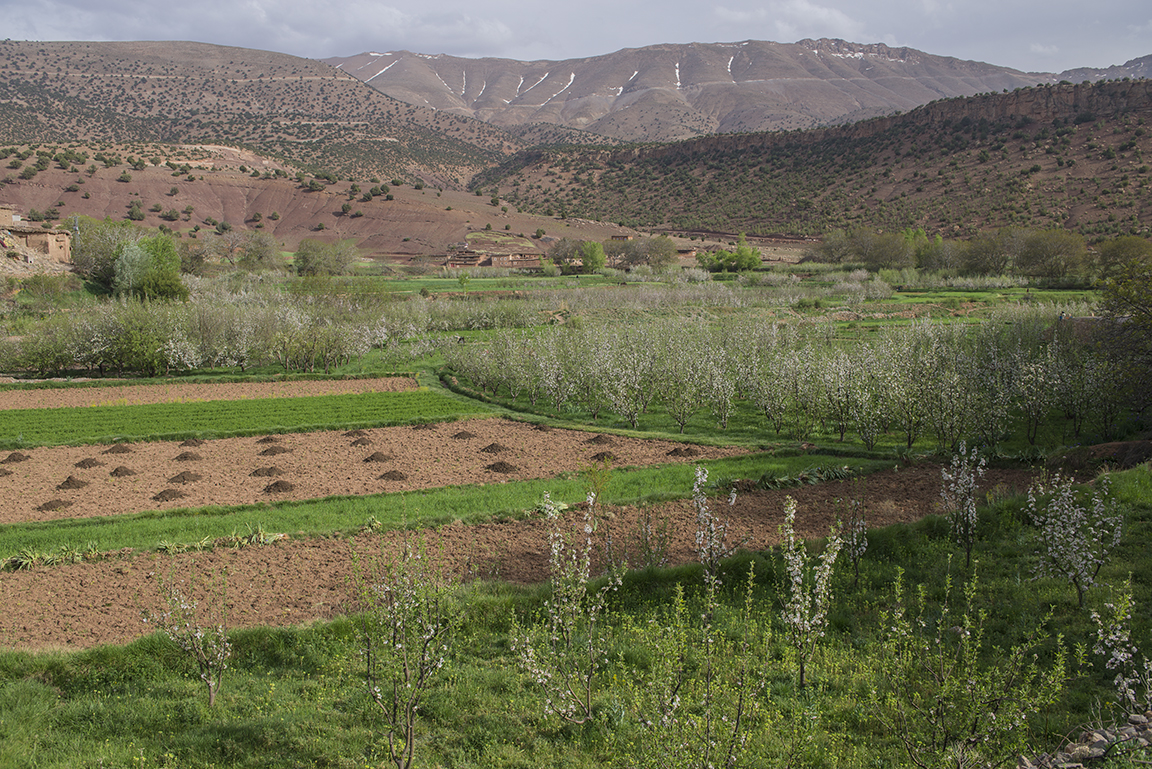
201,190
669,92
1073,156
298,110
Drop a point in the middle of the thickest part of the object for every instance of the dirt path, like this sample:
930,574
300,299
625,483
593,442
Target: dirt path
296,581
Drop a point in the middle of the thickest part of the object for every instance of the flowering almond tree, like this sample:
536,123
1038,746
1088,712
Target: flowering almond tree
958,494
1114,643
207,644
566,652
406,626
1075,538
808,589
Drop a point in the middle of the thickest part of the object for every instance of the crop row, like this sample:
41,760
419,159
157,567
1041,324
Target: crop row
218,419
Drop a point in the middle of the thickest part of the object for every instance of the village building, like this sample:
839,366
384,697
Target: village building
461,255
29,241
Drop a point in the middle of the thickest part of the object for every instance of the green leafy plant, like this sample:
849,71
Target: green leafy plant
948,695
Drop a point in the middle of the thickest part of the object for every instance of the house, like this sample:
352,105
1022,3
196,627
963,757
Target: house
468,257
54,245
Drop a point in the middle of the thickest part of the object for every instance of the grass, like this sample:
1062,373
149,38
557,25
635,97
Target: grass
295,696
220,419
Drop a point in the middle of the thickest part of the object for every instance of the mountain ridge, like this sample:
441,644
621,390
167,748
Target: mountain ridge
676,91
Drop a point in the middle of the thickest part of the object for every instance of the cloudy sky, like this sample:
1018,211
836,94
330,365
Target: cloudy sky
1031,35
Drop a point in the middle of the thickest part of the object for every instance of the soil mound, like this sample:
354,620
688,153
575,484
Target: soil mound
494,448
362,442
501,467
122,472
266,472
187,456
192,443
269,439
15,457
119,448
378,457
54,504
72,482
185,477
355,434
90,462
1121,455
278,487
168,495
600,440
464,435
683,451
425,426
604,456
394,475
273,451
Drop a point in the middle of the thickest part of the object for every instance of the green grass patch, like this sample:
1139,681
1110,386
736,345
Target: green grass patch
220,419
296,696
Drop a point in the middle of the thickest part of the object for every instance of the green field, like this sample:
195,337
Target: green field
221,419
931,674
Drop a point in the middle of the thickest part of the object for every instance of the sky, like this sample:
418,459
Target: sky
1031,35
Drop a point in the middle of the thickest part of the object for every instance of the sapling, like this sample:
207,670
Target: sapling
566,652
958,488
697,701
712,543
406,624
652,539
855,535
1114,643
1076,538
808,589
948,694
207,645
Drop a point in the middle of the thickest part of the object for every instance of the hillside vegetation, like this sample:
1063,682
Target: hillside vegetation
1065,155
299,110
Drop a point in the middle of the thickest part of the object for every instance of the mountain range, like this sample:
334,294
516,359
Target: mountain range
193,136
671,92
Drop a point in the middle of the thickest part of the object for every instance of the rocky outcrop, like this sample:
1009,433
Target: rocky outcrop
1097,744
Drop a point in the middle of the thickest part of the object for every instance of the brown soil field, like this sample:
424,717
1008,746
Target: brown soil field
62,482
132,395
297,581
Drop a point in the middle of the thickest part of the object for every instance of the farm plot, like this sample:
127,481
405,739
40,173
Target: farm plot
301,580
83,481
218,418
188,392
